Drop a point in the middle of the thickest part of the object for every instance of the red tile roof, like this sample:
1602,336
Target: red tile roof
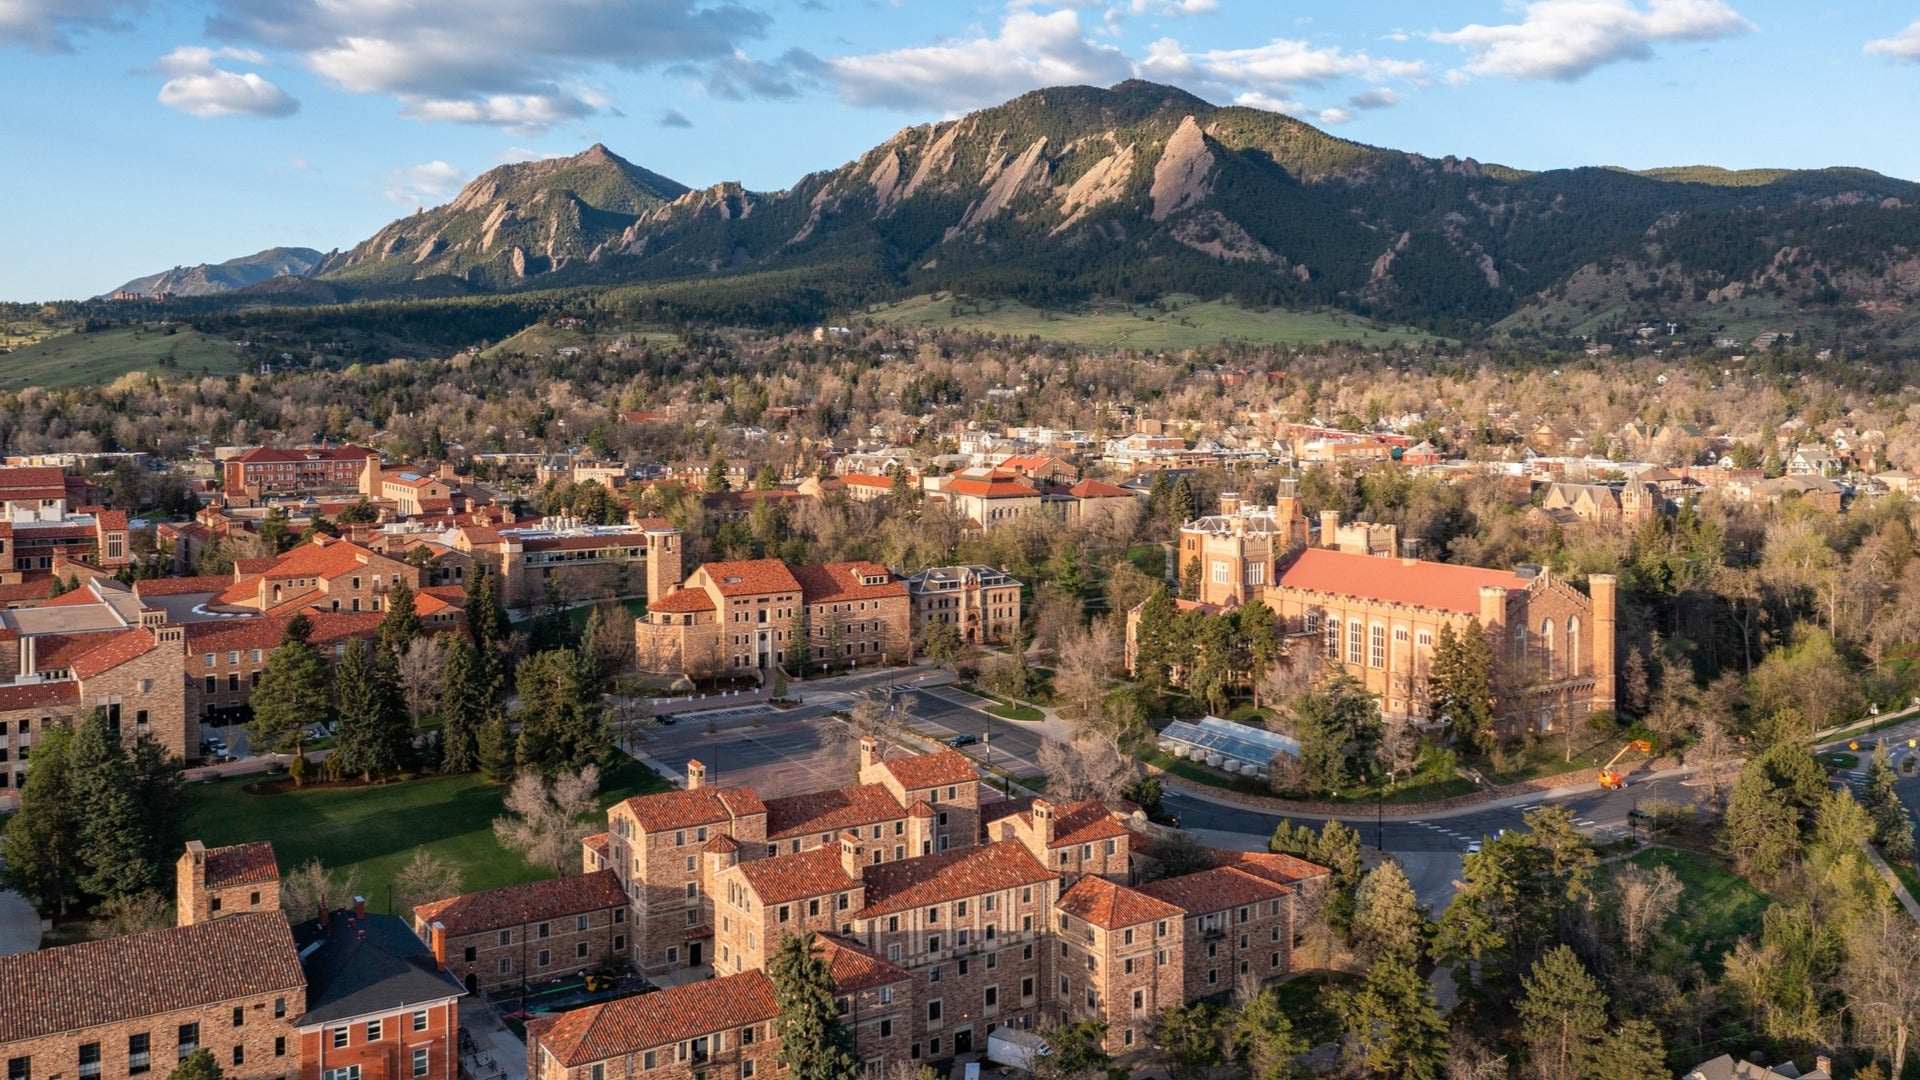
839,582
1215,889
1108,906
683,600
751,577
44,695
518,905
853,968
321,558
180,586
831,811
267,631
33,482
598,843
867,480
114,650
1413,582
1285,869
786,878
125,978
991,489
949,875
924,771
686,809
1080,823
629,1025
1095,489
276,454
242,864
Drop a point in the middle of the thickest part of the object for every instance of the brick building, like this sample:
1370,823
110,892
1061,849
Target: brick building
640,558
982,602
1074,840
719,1028
379,1005
531,932
220,883
265,470
753,616
1120,960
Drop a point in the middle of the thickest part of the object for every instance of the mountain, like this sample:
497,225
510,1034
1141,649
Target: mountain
513,223
210,278
1140,190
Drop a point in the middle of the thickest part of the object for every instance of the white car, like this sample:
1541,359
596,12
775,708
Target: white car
1473,848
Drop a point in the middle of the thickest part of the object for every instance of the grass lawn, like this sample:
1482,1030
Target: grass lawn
77,359
1908,877
1187,323
1548,757
1007,709
1202,774
373,831
1717,908
577,617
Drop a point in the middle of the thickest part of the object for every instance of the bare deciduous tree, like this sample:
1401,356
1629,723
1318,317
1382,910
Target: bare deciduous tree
1882,981
1711,754
1092,767
423,673
549,826
425,878
1084,673
125,915
1643,900
312,888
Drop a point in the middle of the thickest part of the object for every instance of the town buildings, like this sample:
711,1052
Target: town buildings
756,614
263,471
511,936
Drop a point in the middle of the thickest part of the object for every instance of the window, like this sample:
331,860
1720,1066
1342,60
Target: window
785,913
239,1055
280,1046
472,953
1026,987
546,957
933,943
648,1060
420,1063
339,1038
1222,573
239,1016
933,1011
373,1031
1256,573
746,1036
580,922
886,1028
351,1072
580,951
619,943
1573,647
506,965
1355,630
90,1059
506,937
993,996
1377,646
746,1069
139,1053
1333,639
19,1068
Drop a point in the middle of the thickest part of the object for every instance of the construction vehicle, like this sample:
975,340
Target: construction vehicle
1612,779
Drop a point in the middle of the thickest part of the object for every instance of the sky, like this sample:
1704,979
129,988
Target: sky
143,134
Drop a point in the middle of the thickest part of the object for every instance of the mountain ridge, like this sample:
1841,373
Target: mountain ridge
207,279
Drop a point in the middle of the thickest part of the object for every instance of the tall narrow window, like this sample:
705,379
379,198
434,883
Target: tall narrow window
1573,648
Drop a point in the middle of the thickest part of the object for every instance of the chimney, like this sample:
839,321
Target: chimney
359,907
869,751
1823,1065
326,916
850,855
1603,588
1493,612
440,945
1043,823
696,775
1329,528
190,885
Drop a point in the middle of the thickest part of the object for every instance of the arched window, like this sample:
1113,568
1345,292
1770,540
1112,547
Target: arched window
1546,647
1333,639
1573,647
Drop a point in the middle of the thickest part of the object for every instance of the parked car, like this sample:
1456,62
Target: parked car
963,739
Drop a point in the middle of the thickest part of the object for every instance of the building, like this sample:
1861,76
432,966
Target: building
717,1028
1725,1067
226,881
531,932
138,1005
982,602
583,561
1080,839
379,1005
757,614
42,527
1121,960
1381,617
414,492
262,471
989,499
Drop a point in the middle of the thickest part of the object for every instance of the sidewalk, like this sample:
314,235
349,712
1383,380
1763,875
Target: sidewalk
1886,872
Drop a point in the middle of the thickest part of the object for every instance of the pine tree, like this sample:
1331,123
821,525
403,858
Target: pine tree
372,739
199,1065
1460,684
561,723
1563,1015
464,706
1265,1041
401,624
1153,640
814,1044
486,617
113,841
1392,1024
292,694
717,476
1388,920
158,783
40,845
1634,1052
495,746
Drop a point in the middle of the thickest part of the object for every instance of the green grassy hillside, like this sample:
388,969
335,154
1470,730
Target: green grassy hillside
1186,323
77,359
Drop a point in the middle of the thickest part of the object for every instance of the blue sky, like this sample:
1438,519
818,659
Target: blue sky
141,134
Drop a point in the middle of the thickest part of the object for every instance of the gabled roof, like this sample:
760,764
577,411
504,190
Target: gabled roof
1095,489
181,586
949,875
1285,869
838,582
830,811
924,771
114,650
1007,488
1412,582
531,902
854,968
1080,823
629,1025
370,964
1212,890
42,695
161,971
686,809
786,878
751,577
1100,902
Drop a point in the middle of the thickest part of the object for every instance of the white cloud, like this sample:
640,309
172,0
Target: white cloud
198,87
1904,45
1336,115
508,63
1379,97
1567,39
1280,63
49,25
427,182
1031,50
1175,8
